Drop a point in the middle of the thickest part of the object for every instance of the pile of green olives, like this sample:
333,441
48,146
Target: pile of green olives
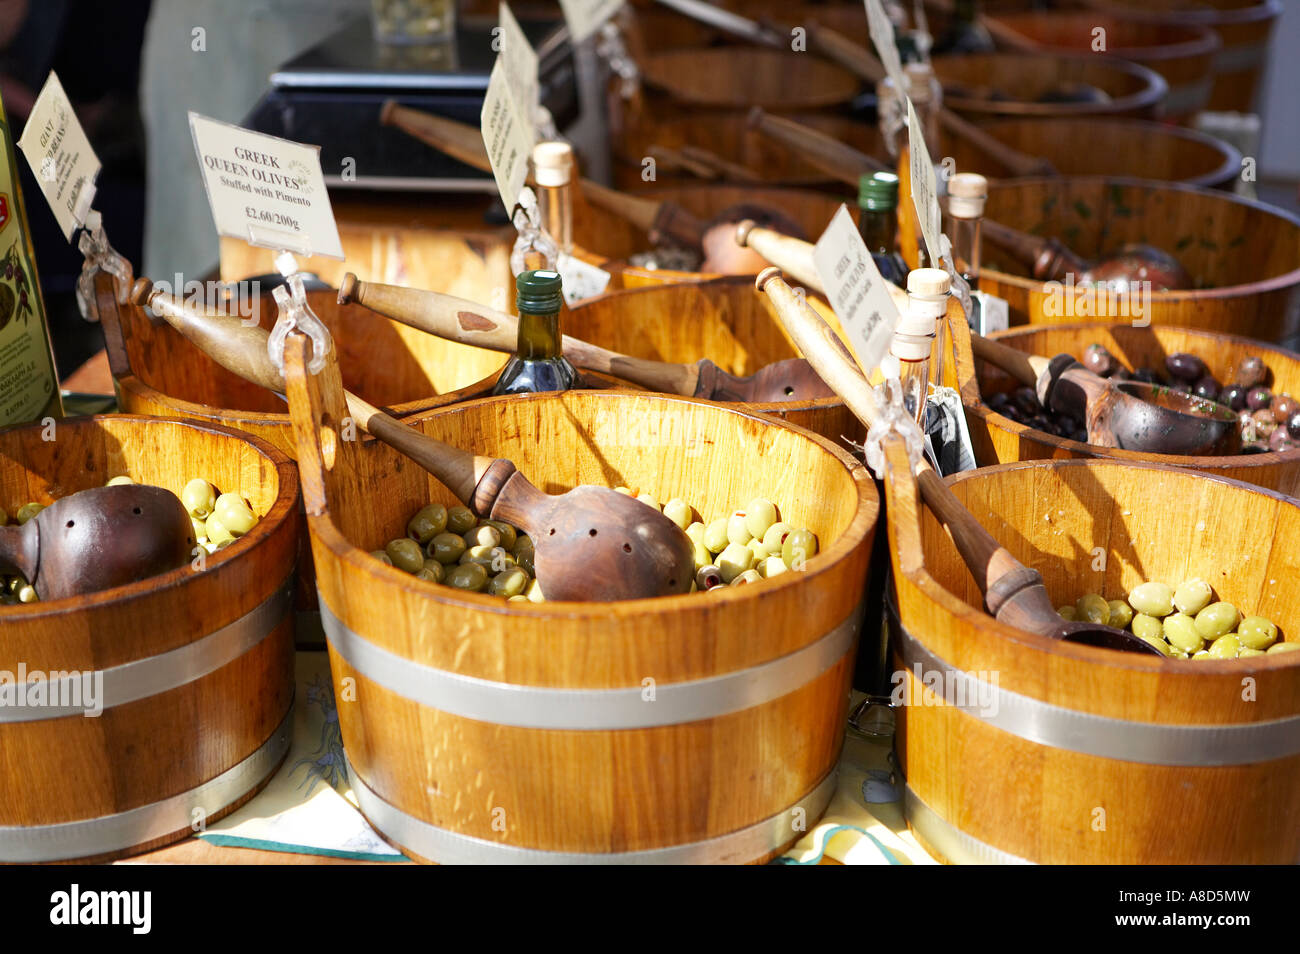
218,519
1183,622
450,546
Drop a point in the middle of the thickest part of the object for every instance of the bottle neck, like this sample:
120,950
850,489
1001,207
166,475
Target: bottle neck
966,250
556,206
879,229
539,337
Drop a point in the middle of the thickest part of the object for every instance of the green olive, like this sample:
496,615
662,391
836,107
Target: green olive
1225,647
1192,596
1244,652
517,599
708,576
702,555
199,528
749,576
381,556
534,592
484,556
1282,648
1067,613
625,491
522,542
459,520
679,512
760,514
527,560
1121,614
199,498
217,531
648,500
1158,643
27,594
483,536
405,554
1093,608
696,532
119,481
512,582
737,531
1181,632
799,548
235,513
735,560
429,576
27,511
434,569
1203,654
428,522
446,548
775,536
1256,632
715,535
1152,599
509,535
468,576
1148,627
772,566
1217,619
761,552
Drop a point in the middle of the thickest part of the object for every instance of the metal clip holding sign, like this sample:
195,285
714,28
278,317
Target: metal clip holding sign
296,315
100,256
533,238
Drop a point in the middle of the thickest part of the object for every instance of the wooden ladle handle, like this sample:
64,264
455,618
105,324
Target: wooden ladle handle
1025,368
825,152
1020,164
791,255
458,140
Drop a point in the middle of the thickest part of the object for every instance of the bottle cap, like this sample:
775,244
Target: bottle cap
928,282
878,191
967,192
539,292
552,163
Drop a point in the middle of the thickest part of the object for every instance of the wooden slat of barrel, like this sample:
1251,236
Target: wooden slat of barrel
163,744
1052,801
743,77
592,791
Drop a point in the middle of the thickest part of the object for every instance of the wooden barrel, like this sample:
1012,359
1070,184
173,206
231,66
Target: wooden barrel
1134,90
725,320
652,29
1103,146
192,672
604,239
997,439
739,78
1018,748
1245,28
1244,254
1183,53
483,731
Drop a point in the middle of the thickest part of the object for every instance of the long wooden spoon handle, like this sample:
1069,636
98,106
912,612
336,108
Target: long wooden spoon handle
1020,164
657,218
1025,368
836,159
458,140
242,350
838,48
791,255
458,319
1048,258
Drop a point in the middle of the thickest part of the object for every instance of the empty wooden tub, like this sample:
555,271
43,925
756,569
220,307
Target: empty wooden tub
1245,28
998,439
1244,255
483,731
1017,748
1183,53
191,671
1101,146
1133,91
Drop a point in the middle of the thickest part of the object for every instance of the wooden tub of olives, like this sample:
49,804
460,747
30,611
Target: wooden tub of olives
999,439
1018,748
193,668
483,730
1241,255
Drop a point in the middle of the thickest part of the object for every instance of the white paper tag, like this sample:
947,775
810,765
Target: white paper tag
855,289
268,191
947,436
925,187
520,63
882,36
60,155
992,313
508,136
585,16
581,279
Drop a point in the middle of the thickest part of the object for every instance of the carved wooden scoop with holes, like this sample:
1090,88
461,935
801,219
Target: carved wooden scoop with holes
1013,592
593,544
97,539
458,319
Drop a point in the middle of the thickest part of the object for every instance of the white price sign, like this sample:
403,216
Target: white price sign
882,37
265,190
508,136
585,16
60,155
925,187
581,279
856,290
520,63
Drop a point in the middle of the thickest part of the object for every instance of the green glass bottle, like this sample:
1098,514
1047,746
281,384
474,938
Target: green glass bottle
878,224
539,363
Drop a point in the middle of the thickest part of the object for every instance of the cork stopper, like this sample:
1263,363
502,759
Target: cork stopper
552,163
928,282
967,192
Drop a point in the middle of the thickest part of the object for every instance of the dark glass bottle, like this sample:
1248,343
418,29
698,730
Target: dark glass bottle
964,33
539,363
878,224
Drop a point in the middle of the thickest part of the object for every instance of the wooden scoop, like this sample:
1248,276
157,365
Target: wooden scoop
1126,414
457,319
593,544
1049,259
1013,593
97,539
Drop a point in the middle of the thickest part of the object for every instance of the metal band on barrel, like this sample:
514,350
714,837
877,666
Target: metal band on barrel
157,674
951,844
112,833
1151,743
542,707
450,848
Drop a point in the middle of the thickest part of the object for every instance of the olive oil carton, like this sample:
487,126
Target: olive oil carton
29,386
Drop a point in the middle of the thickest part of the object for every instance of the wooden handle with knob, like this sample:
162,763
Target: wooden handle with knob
854,57
1048,258
457,319
1025,368
836,159
458,140
655,217
791,255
